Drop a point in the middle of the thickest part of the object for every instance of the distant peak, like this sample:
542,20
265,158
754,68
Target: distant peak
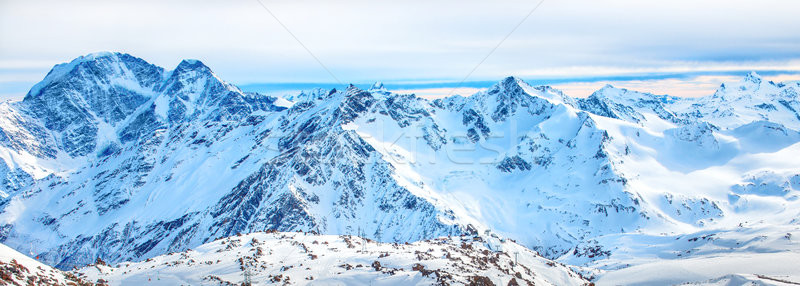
352,89
191,64
377,86
604,91
753,77
92,57
618,94
510,83
97,55
511,80
60,70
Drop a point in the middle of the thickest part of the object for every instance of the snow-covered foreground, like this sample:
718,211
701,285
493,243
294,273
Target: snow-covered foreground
292,258
770,255
300,258
723,269
19,269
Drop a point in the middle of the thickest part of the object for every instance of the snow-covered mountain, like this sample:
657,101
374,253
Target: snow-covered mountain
111,157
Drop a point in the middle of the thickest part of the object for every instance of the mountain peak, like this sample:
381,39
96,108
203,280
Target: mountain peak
607,90
514,89
192,65
352,89
750,82
102,54
60,70
510,83
753,77
510,80
377,86
97,57
190,71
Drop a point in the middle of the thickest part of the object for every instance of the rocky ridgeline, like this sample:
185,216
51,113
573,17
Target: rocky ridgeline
298,259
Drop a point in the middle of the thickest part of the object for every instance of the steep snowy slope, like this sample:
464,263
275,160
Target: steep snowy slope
513,159
200,160
299,259
729,180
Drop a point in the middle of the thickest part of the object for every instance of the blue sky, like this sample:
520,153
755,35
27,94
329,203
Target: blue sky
413,44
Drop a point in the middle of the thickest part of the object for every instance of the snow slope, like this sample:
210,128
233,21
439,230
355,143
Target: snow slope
18,269
300,259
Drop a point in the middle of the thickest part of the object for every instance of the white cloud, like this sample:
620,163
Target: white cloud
26,64
364,41
663,68
682,87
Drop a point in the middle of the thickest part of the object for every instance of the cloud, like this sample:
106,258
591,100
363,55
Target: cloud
673,68
365,41
683,87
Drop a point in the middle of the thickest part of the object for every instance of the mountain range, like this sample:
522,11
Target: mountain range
114,158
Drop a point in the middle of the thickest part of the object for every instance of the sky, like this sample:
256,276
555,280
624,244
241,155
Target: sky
685,48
